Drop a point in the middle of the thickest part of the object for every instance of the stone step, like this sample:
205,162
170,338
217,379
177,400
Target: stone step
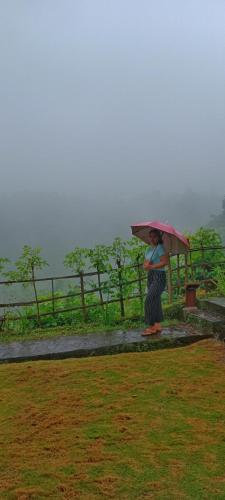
213,304
96,344
205,321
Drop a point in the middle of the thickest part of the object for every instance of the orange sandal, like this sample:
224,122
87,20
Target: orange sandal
149,331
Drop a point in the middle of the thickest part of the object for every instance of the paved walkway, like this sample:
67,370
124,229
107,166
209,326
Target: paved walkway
93,344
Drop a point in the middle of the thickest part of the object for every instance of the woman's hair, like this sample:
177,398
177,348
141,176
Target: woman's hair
157,233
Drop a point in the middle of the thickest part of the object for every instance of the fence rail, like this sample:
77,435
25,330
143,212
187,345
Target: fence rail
181,269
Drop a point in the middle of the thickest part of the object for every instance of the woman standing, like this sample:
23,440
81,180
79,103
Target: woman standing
155,262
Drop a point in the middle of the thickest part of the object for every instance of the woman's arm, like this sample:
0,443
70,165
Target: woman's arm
163,262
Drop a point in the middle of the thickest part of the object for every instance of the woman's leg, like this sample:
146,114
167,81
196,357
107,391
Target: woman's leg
160,284
149,300
153,307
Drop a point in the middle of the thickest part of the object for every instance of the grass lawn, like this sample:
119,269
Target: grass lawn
144,425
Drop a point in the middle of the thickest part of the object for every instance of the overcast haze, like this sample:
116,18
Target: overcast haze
126,94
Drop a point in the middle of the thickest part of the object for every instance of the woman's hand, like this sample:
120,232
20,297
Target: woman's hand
147,265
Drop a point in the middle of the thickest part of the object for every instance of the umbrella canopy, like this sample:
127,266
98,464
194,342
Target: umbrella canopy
173,241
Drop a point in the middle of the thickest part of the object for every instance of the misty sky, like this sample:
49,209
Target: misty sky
125,94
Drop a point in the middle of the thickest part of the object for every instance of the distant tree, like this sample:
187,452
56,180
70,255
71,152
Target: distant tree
26,266
205,236
206,259
99,258
3,262
136,250
119,250
218,221
77,259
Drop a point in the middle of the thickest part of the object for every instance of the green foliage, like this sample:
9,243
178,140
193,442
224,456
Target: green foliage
218,221
119,251
28,262
118,275
220,280
3,262
135,250
173,311
77,259
206,237
99,257
120,269
204,261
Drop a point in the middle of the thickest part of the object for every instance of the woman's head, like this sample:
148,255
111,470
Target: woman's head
155,237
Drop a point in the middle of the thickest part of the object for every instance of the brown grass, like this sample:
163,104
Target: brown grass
148,425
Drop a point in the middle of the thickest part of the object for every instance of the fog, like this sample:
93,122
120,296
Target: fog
104,105
58,223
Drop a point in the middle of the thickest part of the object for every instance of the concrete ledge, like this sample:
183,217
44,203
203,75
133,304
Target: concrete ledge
96,345
215,305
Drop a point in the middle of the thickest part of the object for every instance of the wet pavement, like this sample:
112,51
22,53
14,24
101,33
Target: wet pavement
219,301
93,344
215,304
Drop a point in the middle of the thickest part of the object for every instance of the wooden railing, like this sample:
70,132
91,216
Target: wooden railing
80,281
181,270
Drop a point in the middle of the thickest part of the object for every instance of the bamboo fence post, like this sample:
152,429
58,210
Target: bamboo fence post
203,260
122,309
100,289
53,298
186,268
191,267
202,251
36,296
139,280
178,273
170,286
84,310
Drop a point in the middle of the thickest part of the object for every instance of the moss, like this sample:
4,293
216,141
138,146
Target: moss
174,310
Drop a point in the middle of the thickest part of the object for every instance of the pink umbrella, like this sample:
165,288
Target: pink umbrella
173,241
